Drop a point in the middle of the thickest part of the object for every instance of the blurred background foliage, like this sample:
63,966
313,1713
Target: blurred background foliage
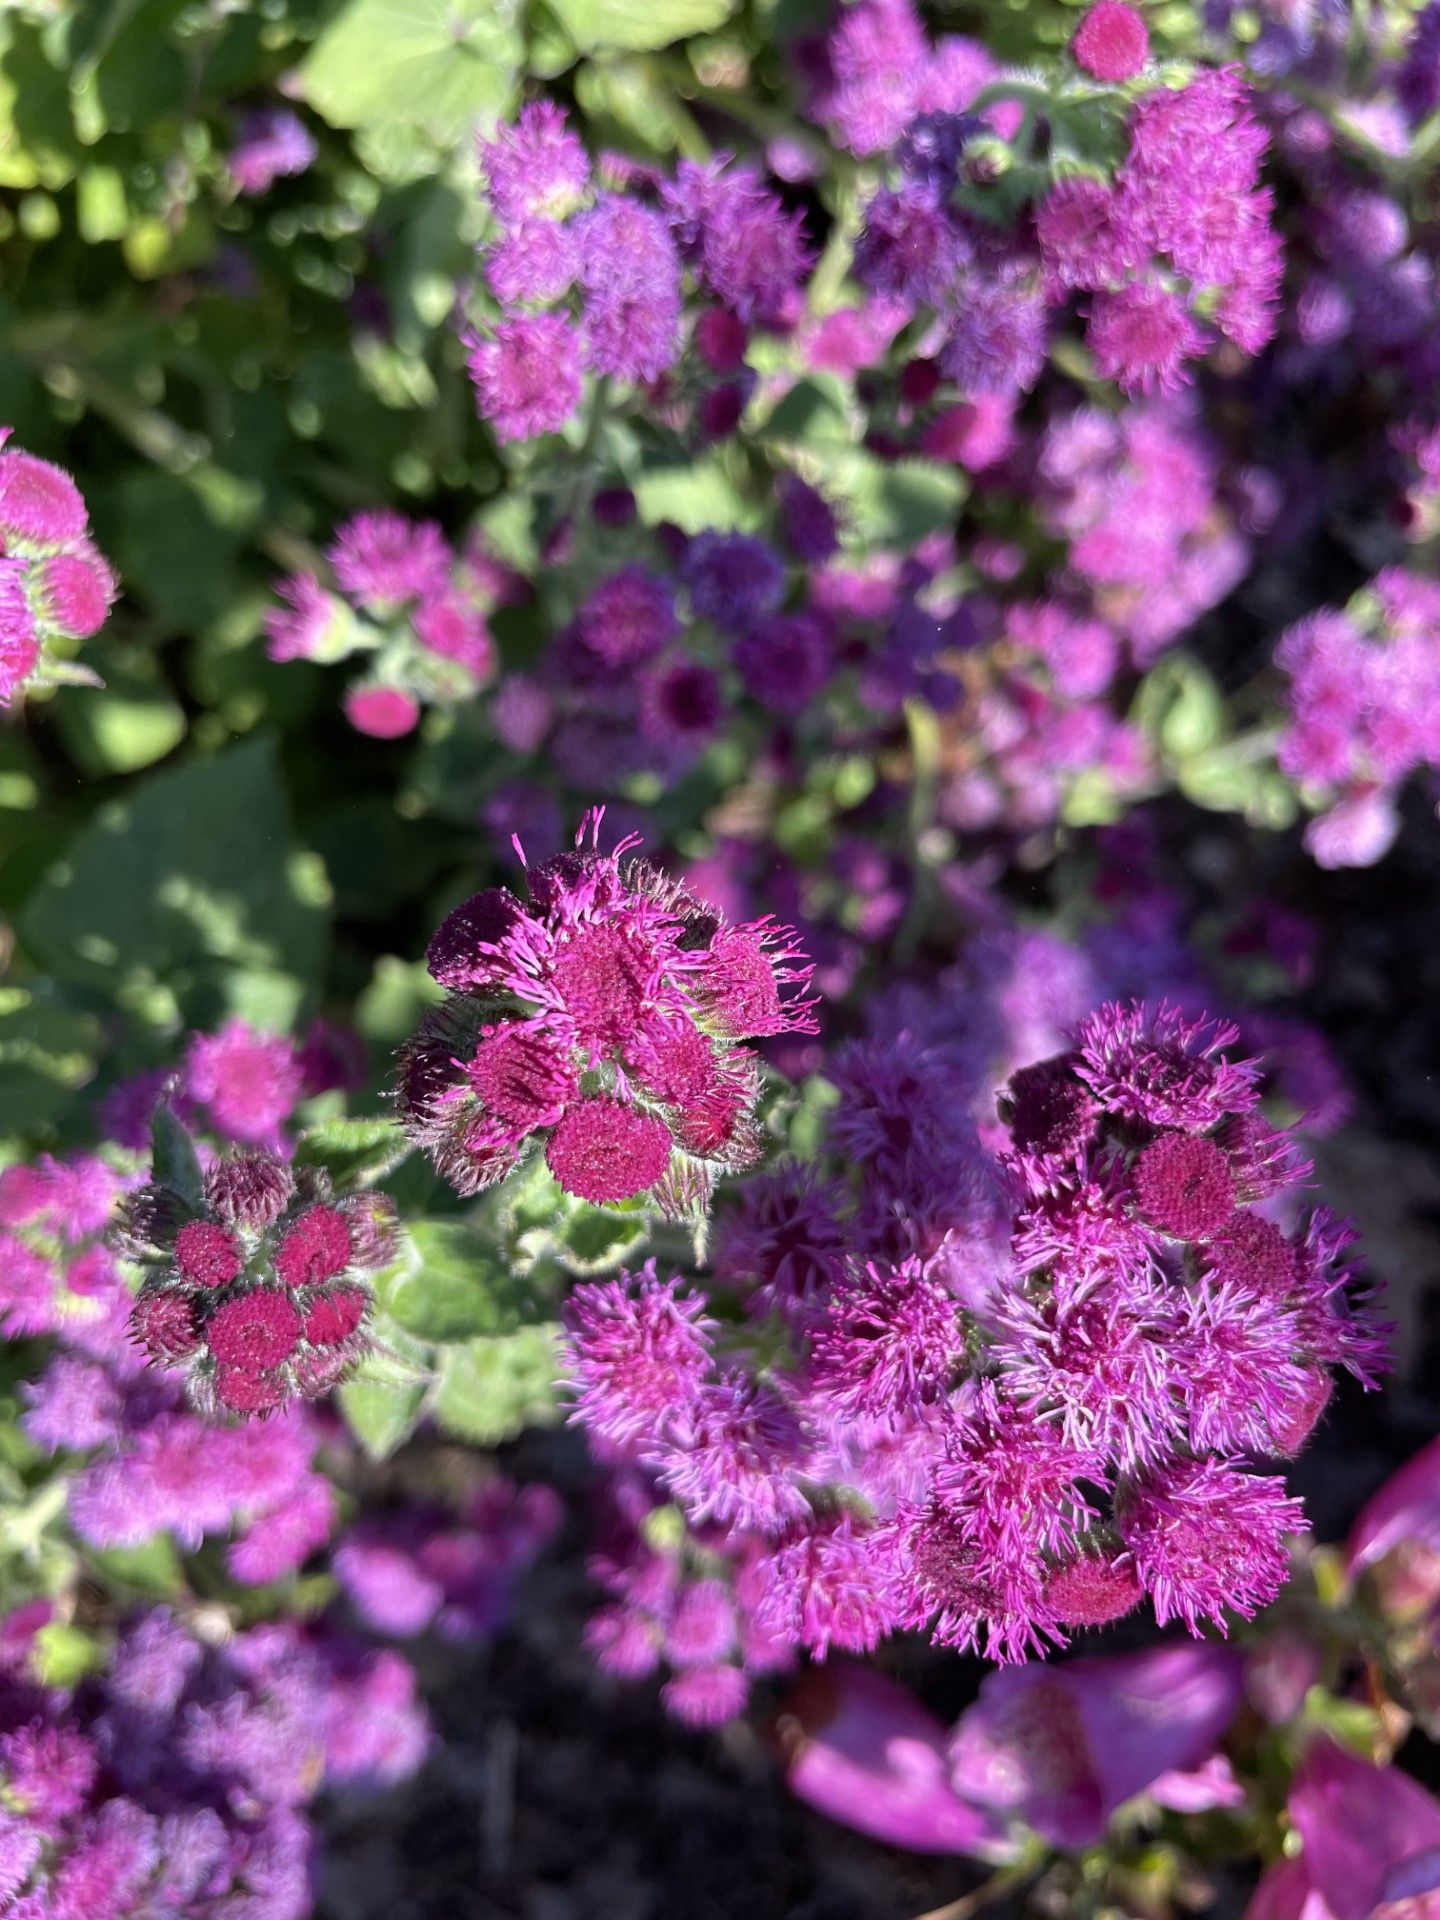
227,378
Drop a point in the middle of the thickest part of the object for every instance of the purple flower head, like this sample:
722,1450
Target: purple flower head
786,661
1111,42
1153,1064
706,1696
1207,1539
784,1244
630,273
536,168
1184,1186
628,618
732,1458
998,333
614,971
536,262
264,1296
909,247
889,1341
248,1082
273,143
807,521
382,560
746,249
54,584
828,1587
528,375
638,1352
877,56
733,579
1141,338
1417,84
308,625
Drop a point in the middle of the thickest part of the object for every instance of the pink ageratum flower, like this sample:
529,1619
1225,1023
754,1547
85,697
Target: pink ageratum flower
382,713
638,1352
382,561
264,1296
1111,42
55,586
614,973
248,1082
1185,217
528,375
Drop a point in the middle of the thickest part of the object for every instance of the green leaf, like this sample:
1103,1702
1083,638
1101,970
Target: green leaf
1180,705
46,1054
695,496
188,885
151,1568
383,1401
491,1389
596,1239
122,731
174,1162
894,503
638,24
439,66
349,1150
456,1287
65,1654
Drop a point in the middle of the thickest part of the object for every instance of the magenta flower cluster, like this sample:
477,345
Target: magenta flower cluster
605,1020
262,1292
589,276
237,1083
55,585
1363,711
180,1780
274,144
1011,1396
402,597
1179,250
1174,252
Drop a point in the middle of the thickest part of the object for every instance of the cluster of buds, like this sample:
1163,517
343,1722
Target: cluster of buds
55,586
260,1287
603,1019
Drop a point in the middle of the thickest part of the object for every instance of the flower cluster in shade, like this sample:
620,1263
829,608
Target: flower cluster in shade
261,1287
588,274
998,1396
602,1022
399,597
274,143
179,1780
1362,711
422,1568
56,586
238,1083
679,641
